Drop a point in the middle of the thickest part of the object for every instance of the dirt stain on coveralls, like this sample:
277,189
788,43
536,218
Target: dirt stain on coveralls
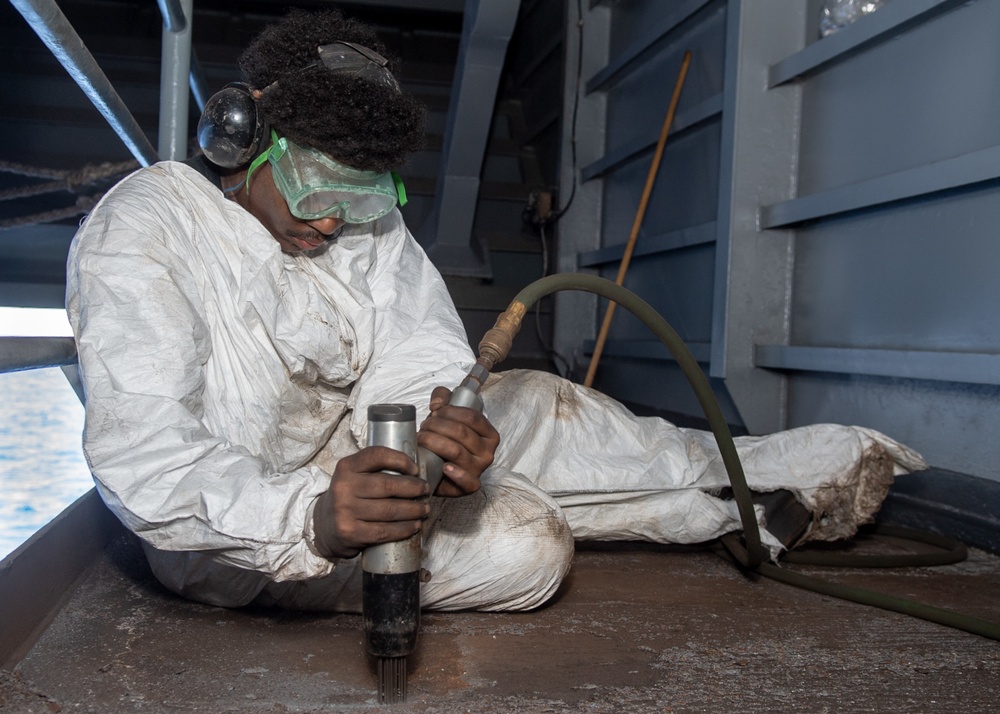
567,405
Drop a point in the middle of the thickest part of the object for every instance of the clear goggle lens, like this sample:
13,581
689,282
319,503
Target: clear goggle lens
315,186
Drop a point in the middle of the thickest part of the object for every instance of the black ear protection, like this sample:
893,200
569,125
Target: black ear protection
230,129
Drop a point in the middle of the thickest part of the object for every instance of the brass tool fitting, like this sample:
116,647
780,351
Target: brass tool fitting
496,343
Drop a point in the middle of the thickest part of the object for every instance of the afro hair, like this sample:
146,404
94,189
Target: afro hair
357,122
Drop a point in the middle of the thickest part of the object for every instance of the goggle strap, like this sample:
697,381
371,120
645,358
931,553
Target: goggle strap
256,164
400,188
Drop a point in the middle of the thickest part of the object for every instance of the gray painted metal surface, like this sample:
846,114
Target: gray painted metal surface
902,288
21,353
650,25
968,368
709,109
653,244
174,15
958,172
850,40
448,234
39,577
175,21
52,27
175,71
753,270
583,143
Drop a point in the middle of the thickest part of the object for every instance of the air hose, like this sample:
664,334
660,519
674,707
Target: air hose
747,552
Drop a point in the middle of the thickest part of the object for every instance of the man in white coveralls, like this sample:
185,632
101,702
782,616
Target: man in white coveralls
234,324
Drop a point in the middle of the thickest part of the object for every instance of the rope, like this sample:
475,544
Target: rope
68,180
25,170
82,205
32,190
64,179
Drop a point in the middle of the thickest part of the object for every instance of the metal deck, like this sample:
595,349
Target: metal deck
633,629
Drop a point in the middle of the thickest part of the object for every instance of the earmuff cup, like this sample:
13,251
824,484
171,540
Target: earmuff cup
230,129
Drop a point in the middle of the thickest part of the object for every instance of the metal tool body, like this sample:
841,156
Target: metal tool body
390,596
390,599
464,395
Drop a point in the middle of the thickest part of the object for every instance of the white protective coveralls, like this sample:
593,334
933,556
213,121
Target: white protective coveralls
224,379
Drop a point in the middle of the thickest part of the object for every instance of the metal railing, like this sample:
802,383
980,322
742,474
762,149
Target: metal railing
23,353
52,27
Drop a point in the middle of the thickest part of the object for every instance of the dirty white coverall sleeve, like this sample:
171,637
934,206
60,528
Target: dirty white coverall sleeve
215,367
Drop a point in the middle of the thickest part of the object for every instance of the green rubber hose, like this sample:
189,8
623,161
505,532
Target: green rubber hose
749,554
948,551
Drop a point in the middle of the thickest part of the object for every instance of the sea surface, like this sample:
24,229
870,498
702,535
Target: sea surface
42,468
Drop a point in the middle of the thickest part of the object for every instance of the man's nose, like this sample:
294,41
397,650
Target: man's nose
327,226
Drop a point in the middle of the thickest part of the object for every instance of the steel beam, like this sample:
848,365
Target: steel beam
960,367
753,269
447,235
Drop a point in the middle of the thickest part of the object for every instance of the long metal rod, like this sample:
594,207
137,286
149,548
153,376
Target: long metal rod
175,65
199,88
175,20
21,353
52,27
174,17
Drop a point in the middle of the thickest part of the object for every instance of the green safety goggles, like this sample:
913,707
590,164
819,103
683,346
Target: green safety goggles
315,186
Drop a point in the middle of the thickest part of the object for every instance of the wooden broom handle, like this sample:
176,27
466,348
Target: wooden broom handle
640,213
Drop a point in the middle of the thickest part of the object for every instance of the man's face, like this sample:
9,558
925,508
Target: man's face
268,206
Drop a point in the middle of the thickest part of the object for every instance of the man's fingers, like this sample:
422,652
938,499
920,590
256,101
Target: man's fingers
388,510
458,482
364,534
439,398
459,445
383,486
379,458
453,421
365,506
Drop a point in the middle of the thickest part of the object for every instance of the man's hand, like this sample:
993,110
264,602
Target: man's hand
364,506
463,438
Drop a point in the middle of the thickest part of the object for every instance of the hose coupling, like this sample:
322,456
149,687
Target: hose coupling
496,343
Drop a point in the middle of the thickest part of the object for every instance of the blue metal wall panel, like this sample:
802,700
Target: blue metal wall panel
648,41
685,192
638,99
661,386
675,285
903,105
636,20
952,425
928,94
918,276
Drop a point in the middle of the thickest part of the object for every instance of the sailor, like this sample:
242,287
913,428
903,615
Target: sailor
236,316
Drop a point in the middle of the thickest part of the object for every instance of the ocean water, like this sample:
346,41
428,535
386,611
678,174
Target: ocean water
42,468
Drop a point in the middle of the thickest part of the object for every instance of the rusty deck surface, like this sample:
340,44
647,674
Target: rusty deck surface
632,630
